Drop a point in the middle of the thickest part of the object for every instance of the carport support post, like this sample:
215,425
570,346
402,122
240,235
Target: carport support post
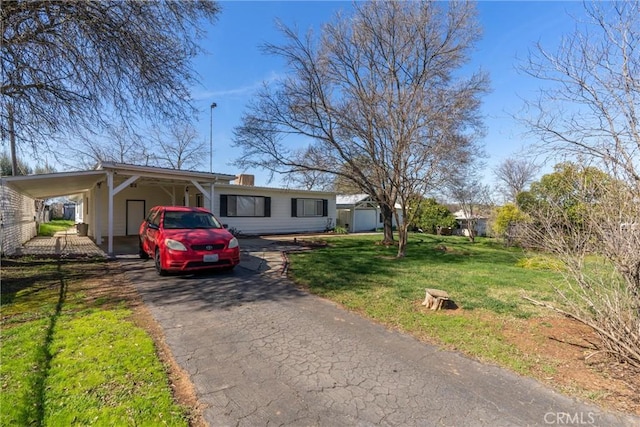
353,219
97,215
211,194
207,194
112,193
110,215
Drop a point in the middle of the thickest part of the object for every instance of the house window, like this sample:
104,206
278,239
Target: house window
309,207
247,206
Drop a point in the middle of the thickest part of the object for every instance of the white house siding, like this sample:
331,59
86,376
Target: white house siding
18,220
280,221
151,195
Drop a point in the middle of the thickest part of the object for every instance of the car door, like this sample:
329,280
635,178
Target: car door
150,231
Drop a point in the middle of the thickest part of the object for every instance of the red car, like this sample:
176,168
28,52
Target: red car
181,238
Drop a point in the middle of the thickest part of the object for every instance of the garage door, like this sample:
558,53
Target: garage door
366,220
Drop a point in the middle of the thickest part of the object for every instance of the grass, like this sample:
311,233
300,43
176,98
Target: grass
71,358
50,228
485,280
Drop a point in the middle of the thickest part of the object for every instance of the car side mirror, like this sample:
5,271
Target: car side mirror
154,226
225,225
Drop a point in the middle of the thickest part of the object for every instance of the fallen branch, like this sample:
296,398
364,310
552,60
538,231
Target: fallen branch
575,344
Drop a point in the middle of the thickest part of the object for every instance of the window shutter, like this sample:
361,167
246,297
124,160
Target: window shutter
267,206
325,207
294,207
223,205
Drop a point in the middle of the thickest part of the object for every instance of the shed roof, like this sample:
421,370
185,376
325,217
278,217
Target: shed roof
350,199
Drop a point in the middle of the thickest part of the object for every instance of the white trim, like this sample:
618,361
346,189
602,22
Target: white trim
110,214
125,184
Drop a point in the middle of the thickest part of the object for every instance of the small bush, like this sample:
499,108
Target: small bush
340,230
539,262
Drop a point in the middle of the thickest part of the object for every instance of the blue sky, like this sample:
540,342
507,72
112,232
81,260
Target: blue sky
235,66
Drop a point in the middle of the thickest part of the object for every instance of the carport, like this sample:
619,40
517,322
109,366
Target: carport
97,190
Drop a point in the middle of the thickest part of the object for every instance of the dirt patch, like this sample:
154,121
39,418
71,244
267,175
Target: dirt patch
308,243
570,362
565,357
114,288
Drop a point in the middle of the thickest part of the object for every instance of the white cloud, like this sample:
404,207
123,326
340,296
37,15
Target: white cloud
239,92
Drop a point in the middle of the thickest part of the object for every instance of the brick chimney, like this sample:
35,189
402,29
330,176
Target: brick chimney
245,179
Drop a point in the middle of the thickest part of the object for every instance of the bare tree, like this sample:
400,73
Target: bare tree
375,97
343,185
587,109
115,145
590,221
464,186
178,148
46,168
80,66
310,180
514,175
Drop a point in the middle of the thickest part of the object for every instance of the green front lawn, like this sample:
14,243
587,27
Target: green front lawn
50,228
71,355
484,279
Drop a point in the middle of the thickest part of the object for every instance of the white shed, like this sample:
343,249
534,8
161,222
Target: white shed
359,213
479,223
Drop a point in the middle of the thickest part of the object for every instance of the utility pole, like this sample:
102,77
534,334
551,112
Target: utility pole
213,105
12,139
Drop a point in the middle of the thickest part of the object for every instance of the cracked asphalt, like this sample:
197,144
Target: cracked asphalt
261,352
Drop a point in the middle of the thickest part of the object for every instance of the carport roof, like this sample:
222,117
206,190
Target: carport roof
44,186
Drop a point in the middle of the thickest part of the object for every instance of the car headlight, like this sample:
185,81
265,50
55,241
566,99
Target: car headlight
233,243
174,245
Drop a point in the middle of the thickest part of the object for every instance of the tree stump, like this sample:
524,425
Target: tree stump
435,298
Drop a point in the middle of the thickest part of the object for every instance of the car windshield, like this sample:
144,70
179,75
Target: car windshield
176,220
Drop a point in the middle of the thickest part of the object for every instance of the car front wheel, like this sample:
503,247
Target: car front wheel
158,263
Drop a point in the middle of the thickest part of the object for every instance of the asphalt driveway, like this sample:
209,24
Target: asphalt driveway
261,352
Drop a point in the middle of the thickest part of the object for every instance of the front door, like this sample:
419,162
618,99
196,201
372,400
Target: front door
135,215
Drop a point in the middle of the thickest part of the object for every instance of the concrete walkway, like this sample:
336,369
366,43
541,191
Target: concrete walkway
62,243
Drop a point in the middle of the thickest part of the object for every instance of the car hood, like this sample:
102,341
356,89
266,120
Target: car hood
197,236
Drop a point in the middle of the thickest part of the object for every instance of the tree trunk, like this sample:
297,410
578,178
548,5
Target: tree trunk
403,234
387,221
471,230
